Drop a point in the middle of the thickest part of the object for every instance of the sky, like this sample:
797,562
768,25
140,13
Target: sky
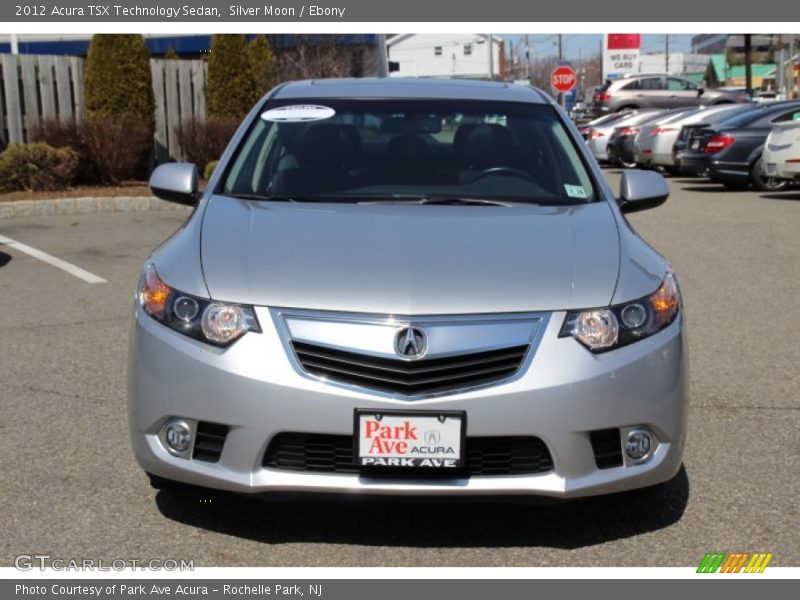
576,45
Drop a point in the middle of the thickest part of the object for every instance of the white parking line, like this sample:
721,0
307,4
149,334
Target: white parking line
52,260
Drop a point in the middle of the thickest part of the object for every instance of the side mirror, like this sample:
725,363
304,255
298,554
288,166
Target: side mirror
176,182
640,190
701,91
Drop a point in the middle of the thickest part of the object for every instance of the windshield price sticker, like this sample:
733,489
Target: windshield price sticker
575,191
409,440
298,113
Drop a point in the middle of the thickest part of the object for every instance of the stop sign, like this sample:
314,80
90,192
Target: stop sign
563,78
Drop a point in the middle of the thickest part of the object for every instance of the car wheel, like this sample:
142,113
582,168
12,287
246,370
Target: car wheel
766,184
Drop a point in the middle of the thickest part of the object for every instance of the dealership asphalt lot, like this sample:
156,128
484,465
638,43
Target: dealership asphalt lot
69,485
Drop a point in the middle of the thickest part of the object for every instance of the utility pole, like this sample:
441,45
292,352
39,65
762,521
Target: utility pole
491,57
527,59
790,78
560,58
666,53
748,64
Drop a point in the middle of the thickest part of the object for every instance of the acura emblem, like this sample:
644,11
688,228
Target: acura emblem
410,342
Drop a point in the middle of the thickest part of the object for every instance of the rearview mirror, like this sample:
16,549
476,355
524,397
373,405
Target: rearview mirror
176,182
640,190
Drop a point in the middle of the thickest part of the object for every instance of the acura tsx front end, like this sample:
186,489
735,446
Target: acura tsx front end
408,288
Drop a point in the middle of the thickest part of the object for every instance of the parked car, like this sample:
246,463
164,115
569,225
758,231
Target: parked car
375,297
781,156
688,131
655,90
580,112
653,146
730,151
620,144
598,132
642,143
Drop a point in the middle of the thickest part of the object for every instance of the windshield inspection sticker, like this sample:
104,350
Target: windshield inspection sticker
575,191
298,113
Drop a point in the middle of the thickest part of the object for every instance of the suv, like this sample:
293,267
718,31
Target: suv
408,287
655,90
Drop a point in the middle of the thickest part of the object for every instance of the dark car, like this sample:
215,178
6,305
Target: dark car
687,131
730,152
655,90
621,142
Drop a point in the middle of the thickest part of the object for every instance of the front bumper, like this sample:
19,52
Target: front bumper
255,389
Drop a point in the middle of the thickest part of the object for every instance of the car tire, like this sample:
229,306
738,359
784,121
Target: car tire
766,184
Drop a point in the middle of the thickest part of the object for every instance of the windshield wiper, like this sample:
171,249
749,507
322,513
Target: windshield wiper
284,197
271,197
435,200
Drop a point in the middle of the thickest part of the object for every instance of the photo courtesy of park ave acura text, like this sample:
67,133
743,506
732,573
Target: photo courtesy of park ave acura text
273,299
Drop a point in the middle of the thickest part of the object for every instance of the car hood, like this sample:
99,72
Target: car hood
410,259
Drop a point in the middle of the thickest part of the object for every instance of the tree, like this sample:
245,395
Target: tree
230,89
316,56
262,65
118,80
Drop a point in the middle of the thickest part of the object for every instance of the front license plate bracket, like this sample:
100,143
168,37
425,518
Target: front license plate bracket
409,439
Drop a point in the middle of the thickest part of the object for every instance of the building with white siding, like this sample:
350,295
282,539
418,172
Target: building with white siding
446,55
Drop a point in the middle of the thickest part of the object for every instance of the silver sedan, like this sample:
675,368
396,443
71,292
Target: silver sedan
408,288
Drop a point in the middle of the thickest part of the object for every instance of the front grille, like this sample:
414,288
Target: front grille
410,377
485,456
607,448
209,441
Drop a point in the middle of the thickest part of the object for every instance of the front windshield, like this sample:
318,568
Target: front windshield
361,150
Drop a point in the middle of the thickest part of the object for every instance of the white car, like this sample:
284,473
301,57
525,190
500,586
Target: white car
598,132
653,146
781,157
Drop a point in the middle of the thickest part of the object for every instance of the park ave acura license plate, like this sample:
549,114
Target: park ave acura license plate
422,439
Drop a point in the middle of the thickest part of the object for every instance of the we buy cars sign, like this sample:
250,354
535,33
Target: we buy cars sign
621,54
563,78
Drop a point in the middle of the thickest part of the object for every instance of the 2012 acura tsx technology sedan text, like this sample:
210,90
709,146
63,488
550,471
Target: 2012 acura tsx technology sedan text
408,288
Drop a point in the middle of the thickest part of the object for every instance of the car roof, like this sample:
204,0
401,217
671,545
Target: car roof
400,87
757,112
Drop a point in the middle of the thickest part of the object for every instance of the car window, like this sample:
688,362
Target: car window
651,83
673,83
792,115
352,150
633,85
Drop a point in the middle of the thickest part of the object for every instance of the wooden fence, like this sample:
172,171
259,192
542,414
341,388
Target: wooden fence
179,87
36,87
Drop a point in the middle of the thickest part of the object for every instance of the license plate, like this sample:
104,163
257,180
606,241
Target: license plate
696,145
410,439
772,169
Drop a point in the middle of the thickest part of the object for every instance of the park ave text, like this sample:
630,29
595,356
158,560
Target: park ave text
119,11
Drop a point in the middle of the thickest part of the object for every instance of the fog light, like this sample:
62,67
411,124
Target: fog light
178,436
638,444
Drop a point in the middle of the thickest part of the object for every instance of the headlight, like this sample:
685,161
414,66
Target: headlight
217,323
602,329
